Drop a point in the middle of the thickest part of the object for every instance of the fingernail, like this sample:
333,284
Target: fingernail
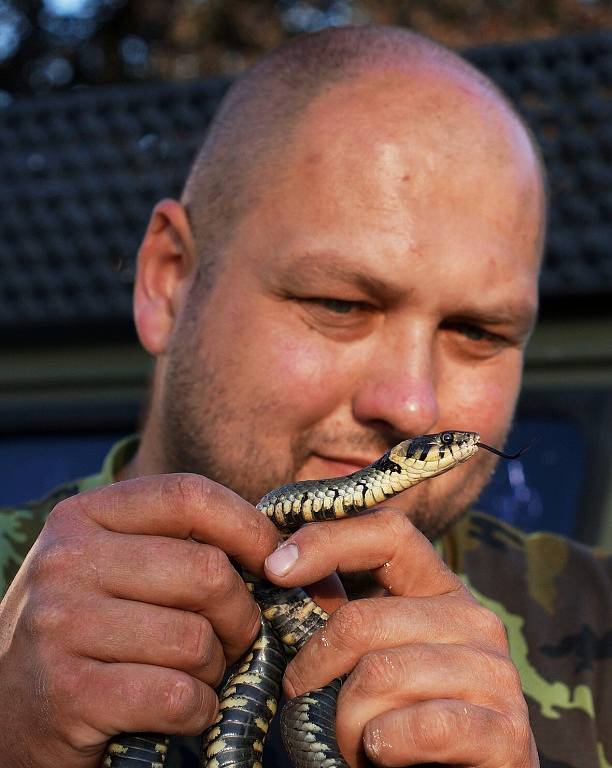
282,560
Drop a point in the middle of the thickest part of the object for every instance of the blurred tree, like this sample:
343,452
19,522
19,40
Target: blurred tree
48,45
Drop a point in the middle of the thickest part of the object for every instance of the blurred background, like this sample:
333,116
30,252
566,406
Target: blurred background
50,45
102,106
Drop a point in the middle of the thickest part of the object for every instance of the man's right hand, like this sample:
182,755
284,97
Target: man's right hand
124,615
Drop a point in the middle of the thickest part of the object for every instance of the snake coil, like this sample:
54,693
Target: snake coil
250,692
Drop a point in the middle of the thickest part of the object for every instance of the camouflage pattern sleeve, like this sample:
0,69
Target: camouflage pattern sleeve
555,599
19,529
21,526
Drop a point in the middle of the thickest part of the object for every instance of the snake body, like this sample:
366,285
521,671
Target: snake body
248,696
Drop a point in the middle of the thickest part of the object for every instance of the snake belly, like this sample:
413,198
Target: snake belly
250,692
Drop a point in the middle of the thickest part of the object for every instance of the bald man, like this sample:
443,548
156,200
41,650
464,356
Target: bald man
354,261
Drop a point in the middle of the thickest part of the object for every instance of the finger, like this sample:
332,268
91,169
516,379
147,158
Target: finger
397,678
130,632
182,574
130,698
403,561
449,732
179,506
151,698
377,624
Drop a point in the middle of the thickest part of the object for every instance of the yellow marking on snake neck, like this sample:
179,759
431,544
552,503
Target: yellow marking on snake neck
278,514
307,511
339,507
271,704
378,494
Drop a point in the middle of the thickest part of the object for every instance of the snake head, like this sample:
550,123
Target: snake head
434,454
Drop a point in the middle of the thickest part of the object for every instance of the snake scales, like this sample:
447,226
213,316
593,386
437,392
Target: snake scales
250,692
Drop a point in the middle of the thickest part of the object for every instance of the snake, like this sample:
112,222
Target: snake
249,694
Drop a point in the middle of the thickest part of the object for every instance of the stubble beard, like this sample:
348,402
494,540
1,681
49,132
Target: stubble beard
202,432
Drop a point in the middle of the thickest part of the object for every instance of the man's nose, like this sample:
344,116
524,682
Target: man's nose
398,392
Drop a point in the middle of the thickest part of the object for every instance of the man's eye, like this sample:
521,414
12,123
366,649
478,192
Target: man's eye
474,332
337,315
339,306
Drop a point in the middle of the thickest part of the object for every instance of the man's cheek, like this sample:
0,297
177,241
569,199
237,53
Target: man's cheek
303,362
485,403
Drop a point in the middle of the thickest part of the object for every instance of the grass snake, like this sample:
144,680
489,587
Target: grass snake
250,691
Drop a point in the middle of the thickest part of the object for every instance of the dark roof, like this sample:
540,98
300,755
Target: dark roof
83,169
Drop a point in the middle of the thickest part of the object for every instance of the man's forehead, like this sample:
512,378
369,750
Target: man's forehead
438,120
426,92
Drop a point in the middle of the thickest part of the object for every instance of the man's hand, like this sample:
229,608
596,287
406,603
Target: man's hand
430,678
123,617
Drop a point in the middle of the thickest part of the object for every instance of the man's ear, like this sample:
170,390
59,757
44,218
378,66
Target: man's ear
166,267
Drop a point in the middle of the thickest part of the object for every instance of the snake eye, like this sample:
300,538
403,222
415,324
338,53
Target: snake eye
447,438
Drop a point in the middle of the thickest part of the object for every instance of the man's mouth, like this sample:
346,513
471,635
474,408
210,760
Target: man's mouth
319,467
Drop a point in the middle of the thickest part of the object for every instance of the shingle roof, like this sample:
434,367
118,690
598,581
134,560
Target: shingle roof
82,170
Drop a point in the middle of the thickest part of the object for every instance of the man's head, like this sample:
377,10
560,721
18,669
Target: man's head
361,266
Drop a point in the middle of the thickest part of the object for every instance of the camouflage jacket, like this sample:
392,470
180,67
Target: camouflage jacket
553,595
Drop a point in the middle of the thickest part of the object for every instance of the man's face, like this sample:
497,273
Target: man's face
382,286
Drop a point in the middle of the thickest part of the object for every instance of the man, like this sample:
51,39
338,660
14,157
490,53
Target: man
354,261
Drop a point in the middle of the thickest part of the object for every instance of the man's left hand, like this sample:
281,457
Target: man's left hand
430,677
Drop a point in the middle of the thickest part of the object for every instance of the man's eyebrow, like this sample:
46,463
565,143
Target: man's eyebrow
329,265
520,313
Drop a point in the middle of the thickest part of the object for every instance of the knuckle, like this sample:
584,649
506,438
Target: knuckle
508,675
188,489
214,570
487,624
518,732
437,731
62,511
253,625
196,641
345,626
395,524
185,701
59,558
45,618
375,672
294,677
47,561
258,531
68,515
323,534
